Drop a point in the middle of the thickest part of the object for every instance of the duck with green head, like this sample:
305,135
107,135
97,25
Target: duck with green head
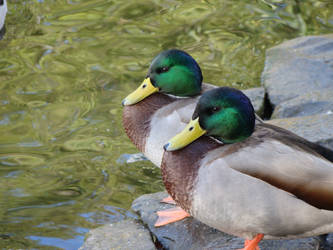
161,107
253,181
154,112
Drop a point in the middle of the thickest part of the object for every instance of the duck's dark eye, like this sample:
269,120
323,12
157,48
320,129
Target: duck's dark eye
162,70
213,110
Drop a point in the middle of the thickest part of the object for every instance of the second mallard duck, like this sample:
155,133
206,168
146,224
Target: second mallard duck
246,180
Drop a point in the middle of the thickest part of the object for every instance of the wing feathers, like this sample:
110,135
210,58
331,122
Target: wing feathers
285,165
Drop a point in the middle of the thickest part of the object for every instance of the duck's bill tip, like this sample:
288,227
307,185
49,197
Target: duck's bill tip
190,133
127,102
123,102
144,90
170,147
131,99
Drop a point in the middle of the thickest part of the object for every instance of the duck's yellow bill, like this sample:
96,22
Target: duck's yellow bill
190,133
143,91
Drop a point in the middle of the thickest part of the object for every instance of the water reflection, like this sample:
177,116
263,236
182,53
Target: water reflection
66,164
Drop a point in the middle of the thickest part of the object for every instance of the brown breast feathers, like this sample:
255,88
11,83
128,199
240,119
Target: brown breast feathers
180,169
136,118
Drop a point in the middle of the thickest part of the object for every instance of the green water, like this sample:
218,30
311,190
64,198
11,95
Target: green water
65,67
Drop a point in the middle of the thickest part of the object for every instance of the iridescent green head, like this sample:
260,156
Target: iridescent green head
172,72
176,72
224,113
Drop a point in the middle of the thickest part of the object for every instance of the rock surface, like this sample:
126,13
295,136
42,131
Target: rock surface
315,128
295,69
192,234
315,102
127,234
257,97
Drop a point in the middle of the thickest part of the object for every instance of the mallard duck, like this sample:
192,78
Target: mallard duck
252,181
162,106
159,113
3,12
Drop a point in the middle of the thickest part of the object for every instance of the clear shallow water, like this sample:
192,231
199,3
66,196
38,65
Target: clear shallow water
65,67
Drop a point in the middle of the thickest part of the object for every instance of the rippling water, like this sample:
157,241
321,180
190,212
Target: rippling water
65,67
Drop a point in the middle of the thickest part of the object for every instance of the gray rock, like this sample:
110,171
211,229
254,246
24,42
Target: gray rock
257,96
298,67
127,234
192,234
316,102
186,234
315,128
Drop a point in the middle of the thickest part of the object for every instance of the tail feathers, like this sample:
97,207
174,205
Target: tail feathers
325,152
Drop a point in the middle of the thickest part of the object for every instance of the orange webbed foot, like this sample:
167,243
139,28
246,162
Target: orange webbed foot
170,215
253,244
168,200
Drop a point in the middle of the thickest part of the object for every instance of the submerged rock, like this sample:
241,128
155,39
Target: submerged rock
192,234
130,158
127,234
295,69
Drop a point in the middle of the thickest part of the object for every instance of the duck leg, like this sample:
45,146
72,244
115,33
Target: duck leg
169,200
170,215
253,244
